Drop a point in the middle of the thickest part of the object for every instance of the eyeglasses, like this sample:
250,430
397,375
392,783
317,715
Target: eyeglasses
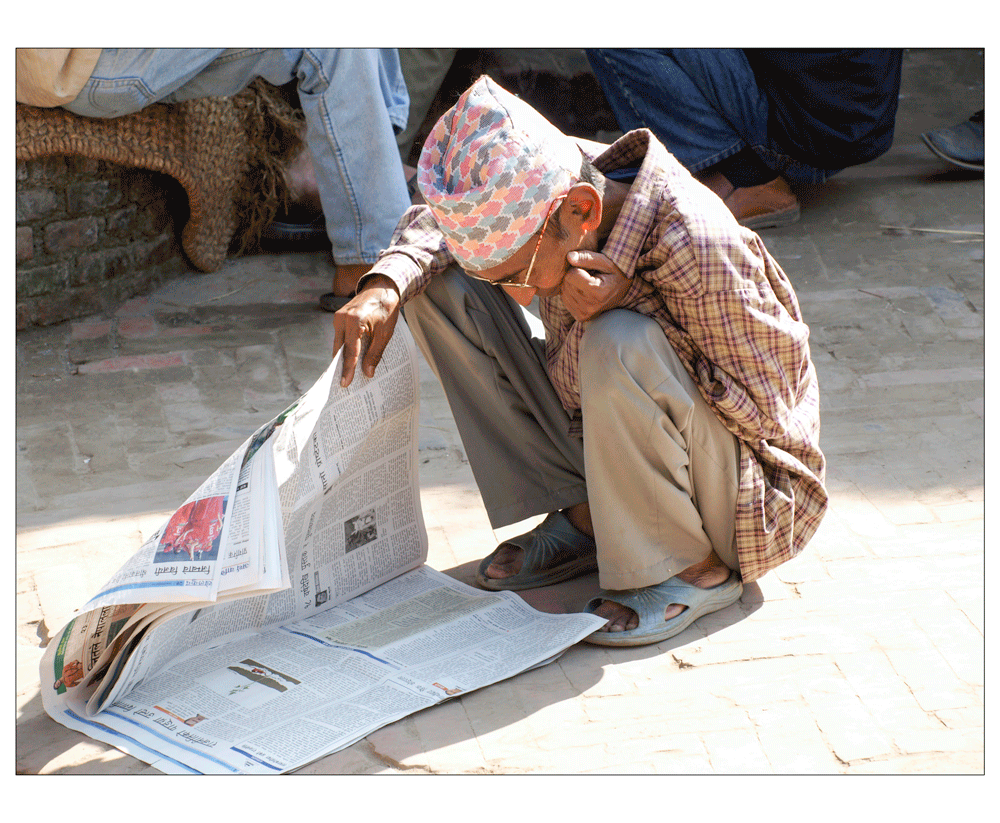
511,280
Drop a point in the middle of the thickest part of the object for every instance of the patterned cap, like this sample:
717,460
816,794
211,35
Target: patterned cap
489,171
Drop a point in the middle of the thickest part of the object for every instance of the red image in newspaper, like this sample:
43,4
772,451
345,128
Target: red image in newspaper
195,531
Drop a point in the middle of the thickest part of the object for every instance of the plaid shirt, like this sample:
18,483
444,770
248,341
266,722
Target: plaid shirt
728,310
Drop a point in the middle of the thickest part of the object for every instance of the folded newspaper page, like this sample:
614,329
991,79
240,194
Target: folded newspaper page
285,610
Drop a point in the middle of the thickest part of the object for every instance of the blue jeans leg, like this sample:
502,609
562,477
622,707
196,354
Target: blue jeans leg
704,105
353,99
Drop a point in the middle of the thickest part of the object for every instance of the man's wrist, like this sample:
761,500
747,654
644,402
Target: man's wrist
377,280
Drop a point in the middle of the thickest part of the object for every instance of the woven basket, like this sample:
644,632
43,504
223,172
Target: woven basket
228,153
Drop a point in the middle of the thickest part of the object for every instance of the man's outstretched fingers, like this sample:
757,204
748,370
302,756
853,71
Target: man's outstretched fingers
352,350
380,339
347,334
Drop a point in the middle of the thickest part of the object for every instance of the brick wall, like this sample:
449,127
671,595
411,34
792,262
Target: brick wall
90,235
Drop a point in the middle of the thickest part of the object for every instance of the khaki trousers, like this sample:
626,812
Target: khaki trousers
658,468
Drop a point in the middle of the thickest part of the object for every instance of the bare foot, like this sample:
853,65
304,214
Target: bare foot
345,281
506,563
707,574
508,559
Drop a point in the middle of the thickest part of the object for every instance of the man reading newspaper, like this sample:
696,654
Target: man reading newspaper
665,416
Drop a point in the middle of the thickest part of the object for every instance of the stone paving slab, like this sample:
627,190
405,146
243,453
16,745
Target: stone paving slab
865,655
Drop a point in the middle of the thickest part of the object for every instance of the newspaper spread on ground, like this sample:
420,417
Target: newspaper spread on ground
285,610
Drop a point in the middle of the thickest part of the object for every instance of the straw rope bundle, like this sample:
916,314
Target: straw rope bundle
228,153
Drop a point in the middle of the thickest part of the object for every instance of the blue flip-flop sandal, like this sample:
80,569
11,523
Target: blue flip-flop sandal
554,551
651,603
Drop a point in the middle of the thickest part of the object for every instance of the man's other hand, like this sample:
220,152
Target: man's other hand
593,284
372,313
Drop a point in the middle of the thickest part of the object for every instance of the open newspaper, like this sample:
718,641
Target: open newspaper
285,611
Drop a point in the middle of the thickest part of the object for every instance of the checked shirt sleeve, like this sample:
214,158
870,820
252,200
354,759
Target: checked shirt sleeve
416,253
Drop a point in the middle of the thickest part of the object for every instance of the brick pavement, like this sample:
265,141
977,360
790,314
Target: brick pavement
863,655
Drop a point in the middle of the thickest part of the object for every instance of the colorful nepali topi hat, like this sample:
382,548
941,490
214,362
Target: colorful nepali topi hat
489,171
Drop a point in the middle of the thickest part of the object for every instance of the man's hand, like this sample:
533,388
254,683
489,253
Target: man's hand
593,285
373,314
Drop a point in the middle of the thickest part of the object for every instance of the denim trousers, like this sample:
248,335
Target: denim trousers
353,101
704,105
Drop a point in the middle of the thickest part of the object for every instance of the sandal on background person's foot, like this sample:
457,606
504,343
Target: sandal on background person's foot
651,603
554,551
769,205
294,235
345,285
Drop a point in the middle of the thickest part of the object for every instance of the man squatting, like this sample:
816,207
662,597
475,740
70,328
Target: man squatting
665,412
